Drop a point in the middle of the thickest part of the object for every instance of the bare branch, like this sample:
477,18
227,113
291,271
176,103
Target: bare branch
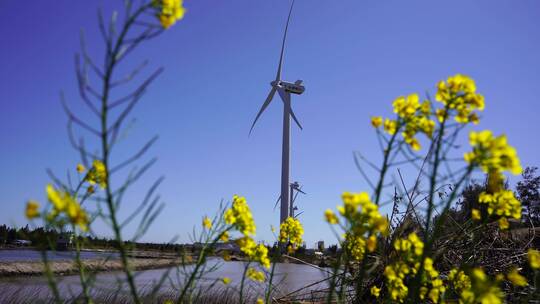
145,201
130,76
83,85
136,156
364,175
75,119
138,91
106,38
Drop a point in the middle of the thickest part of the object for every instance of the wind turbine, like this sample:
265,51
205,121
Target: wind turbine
284,89
295,189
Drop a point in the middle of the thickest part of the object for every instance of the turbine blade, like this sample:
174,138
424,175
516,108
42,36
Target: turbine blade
278,75
294,117
264,106
279,198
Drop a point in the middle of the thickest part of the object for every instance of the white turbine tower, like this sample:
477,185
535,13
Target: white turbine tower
285,89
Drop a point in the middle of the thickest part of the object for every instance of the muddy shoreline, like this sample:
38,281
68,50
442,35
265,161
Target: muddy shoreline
10,269
138,260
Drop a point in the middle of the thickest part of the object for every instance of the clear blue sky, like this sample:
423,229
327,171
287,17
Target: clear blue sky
354,56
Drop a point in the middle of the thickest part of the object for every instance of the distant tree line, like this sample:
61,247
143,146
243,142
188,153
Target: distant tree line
47,239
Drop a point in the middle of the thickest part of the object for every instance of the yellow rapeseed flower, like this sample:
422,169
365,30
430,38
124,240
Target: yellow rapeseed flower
371,243
260,301
376,121
207,223
169,11
32,209
492,154
458,94
390,126
257,253
239,215
224,236
475,214
97,174
291,231
406,107
331,217
534,258
363,222
503,223
375,291
412,117
516,278
410,251
255,275
226,280
441,115
502,204
64,203
80,168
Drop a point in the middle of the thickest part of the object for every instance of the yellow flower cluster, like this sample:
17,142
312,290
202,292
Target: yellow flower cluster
459,280
375,291
239,215
207,223
63,202
503,204
493,154
169,11
331,217
516,278
475,287
32,209
534,258
363,223
97,174
291,232
412,115
397,274
224,236
255,275
255,252
459,93
81,168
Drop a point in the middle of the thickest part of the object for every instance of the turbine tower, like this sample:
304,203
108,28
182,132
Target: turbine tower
284,89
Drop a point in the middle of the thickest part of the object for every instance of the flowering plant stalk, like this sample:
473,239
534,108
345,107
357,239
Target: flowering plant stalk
370,241
120,38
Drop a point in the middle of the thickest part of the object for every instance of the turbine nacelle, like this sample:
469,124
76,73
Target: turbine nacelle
295,88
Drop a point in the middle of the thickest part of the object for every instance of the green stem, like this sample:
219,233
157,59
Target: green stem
241,293
271,279
384,167
332,287
200,261
415,290
50,277
110,65
80,266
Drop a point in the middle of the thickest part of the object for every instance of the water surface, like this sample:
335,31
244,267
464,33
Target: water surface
290,277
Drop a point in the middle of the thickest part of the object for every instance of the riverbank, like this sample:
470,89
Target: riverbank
93,265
